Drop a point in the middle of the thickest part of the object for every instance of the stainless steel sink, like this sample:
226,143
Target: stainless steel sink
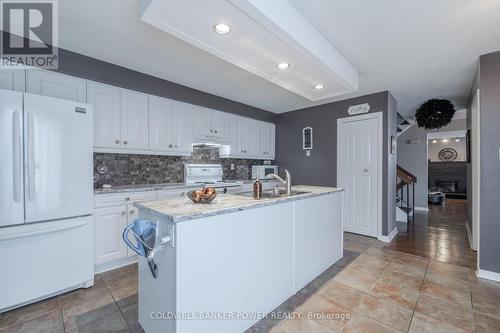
271,193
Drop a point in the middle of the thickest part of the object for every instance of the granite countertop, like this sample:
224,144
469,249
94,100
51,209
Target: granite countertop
182,209
143,187
154,187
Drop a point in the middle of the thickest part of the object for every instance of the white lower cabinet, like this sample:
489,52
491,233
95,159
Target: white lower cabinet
112,213
109,222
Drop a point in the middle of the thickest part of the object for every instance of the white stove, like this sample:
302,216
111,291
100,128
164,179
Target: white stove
210,175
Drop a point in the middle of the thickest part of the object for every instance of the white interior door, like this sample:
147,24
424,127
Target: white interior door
359,156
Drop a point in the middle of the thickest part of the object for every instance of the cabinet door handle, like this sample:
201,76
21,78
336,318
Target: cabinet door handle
117,142
211,131
215,131
125,142
170,146
127,198
132,212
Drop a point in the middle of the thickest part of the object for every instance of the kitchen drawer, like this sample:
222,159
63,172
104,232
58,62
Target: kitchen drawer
117,199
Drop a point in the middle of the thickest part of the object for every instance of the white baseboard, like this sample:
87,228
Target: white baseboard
422,209
488,275
389,238
469,234
114,264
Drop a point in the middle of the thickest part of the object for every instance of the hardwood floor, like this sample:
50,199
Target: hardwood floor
439,234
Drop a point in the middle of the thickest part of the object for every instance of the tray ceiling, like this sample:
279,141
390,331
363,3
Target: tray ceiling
263,34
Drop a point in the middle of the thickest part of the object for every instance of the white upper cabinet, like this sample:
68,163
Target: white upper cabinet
106,102
182,127
220,124
160,124
170,126
52,84
202,122
13,79
210,124
134,120
249,139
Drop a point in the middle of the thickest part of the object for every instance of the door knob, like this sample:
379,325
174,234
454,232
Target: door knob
117,141
125,142
366,170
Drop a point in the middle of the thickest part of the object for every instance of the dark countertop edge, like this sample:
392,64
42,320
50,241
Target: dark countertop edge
179,219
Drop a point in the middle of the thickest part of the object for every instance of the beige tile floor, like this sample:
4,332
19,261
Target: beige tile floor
372,289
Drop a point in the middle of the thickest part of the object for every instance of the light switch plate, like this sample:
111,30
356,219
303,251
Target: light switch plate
232,166
308,153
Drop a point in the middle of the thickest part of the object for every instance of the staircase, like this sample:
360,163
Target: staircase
405,204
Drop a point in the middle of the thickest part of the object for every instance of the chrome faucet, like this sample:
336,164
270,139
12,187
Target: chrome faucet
287,182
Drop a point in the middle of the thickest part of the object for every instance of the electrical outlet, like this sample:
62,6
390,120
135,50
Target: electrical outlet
232,166
308,153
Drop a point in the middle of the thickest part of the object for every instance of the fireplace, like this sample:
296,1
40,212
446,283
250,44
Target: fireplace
447,186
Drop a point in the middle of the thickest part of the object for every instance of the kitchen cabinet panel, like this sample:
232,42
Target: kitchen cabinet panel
182,127
210,125
52,84
160,124
134,120
202,122
170,126
108,226
13,79
106,102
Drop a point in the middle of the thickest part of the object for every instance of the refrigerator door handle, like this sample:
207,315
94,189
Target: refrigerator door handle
31,156
17,157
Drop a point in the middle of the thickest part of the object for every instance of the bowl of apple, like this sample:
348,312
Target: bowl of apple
205,195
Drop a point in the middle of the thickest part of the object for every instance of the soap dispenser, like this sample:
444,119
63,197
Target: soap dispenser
257,188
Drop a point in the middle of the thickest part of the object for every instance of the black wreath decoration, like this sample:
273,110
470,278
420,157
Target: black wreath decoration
435,113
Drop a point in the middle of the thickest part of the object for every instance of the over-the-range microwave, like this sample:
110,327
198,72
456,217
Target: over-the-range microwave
263,170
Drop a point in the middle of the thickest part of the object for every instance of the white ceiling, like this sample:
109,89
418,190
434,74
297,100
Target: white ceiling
416,49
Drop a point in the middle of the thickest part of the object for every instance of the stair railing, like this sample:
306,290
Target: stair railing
405,179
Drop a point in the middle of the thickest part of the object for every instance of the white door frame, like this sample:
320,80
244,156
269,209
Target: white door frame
476,171
379,117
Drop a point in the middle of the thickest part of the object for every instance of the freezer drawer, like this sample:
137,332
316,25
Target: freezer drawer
43,259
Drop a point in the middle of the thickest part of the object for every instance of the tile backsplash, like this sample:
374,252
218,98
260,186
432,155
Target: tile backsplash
127,169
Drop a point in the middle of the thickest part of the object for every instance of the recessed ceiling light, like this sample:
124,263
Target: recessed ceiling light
221,28
283,65
319,86
434,141
457,140
445,140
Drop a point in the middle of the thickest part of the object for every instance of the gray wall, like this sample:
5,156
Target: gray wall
413,156
321,167
489,229
475,86
93,69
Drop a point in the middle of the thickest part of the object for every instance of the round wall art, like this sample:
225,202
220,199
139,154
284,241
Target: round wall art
448,154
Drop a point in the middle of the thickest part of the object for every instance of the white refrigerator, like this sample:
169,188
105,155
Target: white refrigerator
46,191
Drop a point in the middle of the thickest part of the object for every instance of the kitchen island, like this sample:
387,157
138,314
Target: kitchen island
230,262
